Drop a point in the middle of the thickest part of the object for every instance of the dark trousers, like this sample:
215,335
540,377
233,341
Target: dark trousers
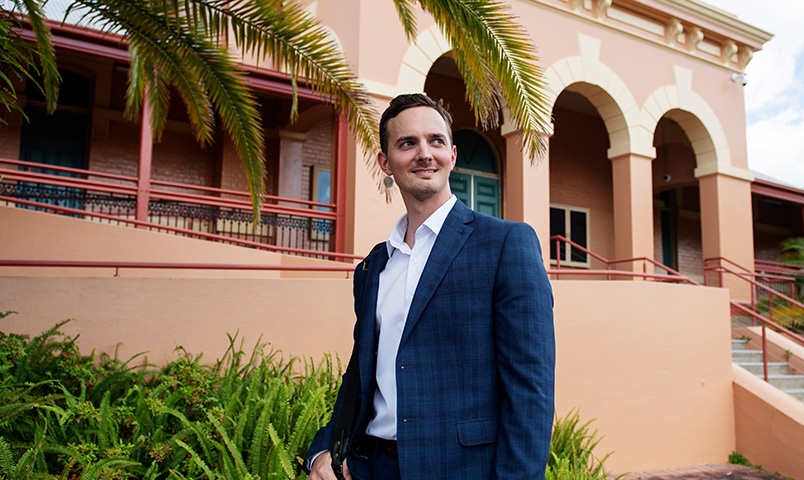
370,463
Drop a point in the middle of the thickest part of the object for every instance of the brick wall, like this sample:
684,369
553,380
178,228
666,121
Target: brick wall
319,150
580,173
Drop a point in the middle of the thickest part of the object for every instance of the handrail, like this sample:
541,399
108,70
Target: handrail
770,291
676,276
671,275
188,232
117,266
746,271
765,324
85,182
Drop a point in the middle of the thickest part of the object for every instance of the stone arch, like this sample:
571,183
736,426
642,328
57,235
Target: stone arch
607,92
698,120
428,46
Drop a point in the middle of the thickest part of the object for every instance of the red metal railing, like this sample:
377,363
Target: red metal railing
117,266
610,273
122,187
776,300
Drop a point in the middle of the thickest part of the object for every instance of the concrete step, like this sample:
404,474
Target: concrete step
746,356
787,382
797,393
774,368
739,344
741,321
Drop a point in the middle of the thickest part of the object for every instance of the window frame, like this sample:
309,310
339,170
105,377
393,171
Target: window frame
568,210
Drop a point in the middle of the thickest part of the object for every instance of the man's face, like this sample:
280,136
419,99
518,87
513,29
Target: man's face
420,155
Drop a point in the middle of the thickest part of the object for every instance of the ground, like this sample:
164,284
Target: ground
706,472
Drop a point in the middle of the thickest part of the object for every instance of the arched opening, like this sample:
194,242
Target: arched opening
677,209
476,179
581,200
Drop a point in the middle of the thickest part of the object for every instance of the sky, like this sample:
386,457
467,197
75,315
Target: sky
774,95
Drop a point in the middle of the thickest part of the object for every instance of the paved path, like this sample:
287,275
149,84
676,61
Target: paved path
706,472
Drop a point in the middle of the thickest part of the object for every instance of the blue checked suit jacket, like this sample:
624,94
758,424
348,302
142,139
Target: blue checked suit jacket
475,366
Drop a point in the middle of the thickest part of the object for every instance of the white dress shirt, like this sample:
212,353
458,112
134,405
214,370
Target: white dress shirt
398,282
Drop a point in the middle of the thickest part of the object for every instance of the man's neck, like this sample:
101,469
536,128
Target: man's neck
418,213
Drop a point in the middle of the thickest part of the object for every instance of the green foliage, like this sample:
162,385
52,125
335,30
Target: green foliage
793,249
176,46
572,451
244,416
737,459
64,415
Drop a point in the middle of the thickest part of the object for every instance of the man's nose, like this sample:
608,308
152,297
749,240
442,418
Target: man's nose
424,151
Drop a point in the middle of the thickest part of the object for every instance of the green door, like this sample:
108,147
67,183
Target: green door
475,181
59,139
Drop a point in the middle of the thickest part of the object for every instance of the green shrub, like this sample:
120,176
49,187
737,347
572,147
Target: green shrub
572,451
245,416
63,415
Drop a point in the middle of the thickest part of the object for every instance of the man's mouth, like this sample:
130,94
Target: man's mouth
425,172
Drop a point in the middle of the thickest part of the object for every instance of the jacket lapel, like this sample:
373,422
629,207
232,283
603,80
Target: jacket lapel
449,243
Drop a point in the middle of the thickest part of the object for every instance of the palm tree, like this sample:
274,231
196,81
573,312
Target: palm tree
793,249
180,44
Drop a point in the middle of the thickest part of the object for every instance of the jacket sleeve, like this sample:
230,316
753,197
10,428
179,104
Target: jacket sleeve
524,335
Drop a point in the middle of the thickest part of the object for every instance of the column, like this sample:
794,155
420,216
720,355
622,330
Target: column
527,187
291,156
727,227
633,210
144,167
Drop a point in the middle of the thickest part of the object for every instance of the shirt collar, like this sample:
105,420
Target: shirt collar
434,222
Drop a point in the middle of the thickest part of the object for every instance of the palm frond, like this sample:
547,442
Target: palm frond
406,17
283,33
202,72
45,53
496,56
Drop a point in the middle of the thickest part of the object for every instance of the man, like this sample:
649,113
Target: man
454,335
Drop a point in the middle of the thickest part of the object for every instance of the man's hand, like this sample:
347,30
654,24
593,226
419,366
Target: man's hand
322,469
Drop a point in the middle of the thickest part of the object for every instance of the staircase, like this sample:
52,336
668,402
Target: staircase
778,372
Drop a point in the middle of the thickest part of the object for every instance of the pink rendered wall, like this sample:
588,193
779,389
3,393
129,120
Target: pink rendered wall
30,235
769,425
658,385
657,379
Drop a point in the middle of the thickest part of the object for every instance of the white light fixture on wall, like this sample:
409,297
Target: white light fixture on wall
739,77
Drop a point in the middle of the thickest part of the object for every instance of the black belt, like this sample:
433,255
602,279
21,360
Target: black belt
381,445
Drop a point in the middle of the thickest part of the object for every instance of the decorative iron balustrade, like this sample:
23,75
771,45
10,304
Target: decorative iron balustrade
237,224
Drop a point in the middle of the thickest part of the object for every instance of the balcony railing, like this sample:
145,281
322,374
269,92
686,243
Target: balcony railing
285,225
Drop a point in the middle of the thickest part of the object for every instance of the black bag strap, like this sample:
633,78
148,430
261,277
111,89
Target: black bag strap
350,401
344,424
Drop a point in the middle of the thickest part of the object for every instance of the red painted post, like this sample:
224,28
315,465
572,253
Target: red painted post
339,175
146,159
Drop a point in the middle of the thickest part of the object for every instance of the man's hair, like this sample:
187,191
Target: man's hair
410,100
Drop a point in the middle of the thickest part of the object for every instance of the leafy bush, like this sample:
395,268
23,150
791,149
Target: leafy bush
572,451
63,415
246,416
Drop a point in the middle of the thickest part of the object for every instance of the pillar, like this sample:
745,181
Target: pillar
291,156
144,166
527,187
632,181
727,227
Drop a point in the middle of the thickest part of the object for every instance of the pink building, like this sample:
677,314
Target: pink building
647,160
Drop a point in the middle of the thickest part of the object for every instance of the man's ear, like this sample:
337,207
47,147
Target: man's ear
382,161
454,156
